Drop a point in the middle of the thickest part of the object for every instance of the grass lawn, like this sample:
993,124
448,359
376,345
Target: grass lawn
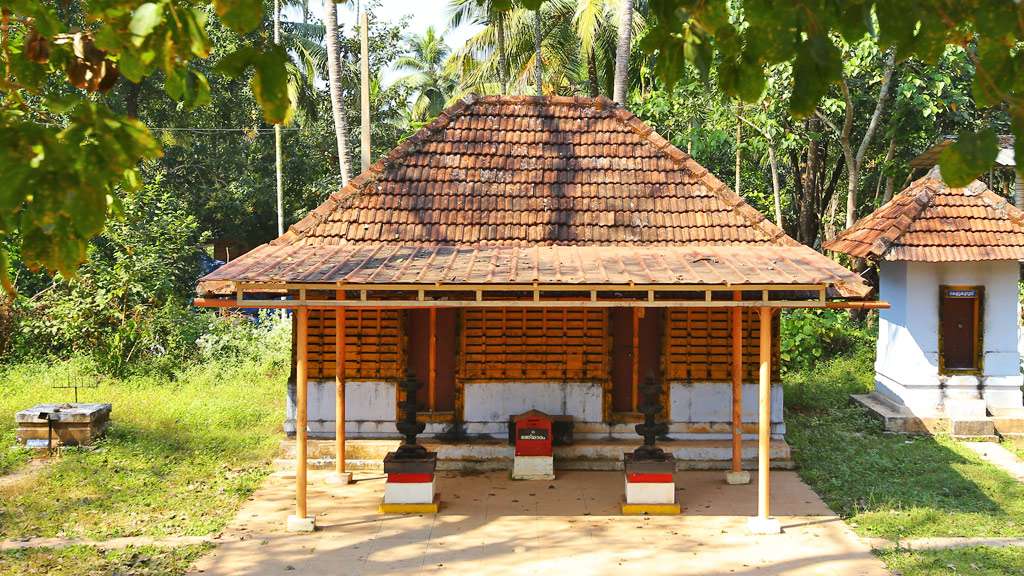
180,455
891,485
88,561
978,561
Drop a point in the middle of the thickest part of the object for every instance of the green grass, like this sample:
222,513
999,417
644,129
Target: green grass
180,456
88,561
892,485
977,561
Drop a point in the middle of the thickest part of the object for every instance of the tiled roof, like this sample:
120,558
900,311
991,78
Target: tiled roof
557,190
931,222
522,170
369,264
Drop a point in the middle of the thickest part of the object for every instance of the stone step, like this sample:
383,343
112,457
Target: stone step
898,418
486,455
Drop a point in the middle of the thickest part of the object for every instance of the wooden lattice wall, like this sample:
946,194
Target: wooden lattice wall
534,344
699,345
373,342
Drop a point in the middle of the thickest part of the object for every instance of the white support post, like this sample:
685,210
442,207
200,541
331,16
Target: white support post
763,523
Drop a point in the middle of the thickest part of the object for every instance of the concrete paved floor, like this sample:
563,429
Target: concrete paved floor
489,524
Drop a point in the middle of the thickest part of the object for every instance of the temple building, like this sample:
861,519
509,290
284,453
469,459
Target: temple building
948,261
537,253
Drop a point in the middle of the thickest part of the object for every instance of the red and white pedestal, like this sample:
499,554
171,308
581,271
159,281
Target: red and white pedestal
533,453
650,487
410,486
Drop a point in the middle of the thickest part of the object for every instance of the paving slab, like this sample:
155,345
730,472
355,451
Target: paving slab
489,524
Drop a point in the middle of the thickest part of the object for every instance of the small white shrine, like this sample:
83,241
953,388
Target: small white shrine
948,262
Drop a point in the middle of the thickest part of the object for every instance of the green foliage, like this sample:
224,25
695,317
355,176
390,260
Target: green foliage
967,561
810,336
65,154
182,453
80,559
130,301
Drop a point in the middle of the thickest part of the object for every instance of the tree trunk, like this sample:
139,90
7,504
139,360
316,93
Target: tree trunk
808,209
739,142
134,94
334,83
776,189
890,180
538,70
502,54
278,158
622,52
592,74
854,161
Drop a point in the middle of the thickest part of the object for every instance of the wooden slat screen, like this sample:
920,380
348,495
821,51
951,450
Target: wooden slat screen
699,346
373,341
517,344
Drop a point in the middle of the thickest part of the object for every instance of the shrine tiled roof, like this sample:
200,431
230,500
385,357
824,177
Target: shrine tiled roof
386,264
523,170
520,189
932,222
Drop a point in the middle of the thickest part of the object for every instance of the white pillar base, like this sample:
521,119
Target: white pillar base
650,492
408,492
533,468
737,478
335,478
301,524
758,525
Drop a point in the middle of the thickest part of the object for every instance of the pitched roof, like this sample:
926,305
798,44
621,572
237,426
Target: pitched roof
931,222
525,170
509,189
382,264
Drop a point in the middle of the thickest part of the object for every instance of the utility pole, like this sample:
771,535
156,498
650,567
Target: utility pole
364,85
278,159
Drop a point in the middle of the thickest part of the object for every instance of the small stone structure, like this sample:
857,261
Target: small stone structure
66,424
947,357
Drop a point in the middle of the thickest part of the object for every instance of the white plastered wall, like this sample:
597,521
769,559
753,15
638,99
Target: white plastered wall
696,410
907,360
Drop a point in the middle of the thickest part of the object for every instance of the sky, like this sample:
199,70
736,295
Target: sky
423,13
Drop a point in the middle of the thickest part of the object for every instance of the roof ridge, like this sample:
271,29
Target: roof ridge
922,196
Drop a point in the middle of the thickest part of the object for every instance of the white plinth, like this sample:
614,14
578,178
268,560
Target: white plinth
533,468
301,523
737,478
343,478
650,492
758,525
409,492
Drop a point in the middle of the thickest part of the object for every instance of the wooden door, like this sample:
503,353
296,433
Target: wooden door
959,329
418,351
636,354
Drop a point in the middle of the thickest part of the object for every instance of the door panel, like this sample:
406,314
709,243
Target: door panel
959,328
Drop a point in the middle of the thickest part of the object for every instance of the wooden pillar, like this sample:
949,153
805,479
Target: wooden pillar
635,375
301,408
339,388
763,523
737,385
432,362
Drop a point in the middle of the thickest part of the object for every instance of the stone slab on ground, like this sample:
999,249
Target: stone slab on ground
491,525
896,418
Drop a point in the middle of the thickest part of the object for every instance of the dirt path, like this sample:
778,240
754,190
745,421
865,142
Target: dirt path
1000,457
24,474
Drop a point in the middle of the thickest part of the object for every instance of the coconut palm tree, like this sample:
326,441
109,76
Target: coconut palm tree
483,12
578,40
622,51
334,84
427,76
